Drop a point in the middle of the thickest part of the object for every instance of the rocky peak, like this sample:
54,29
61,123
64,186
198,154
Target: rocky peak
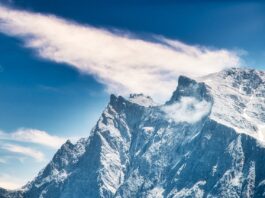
174,150
244,79
190,88
142,100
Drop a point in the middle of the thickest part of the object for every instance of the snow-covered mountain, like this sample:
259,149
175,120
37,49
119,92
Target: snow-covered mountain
206,141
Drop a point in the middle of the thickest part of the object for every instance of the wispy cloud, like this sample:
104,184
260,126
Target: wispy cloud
188,109
27,151
34,136
10,182
123,62
25,148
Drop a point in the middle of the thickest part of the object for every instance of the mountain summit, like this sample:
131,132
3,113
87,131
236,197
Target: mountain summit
206,141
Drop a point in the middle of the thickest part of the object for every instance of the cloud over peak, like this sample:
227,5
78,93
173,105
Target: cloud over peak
123,63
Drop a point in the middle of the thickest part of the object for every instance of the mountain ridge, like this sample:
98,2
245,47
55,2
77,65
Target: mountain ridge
188,147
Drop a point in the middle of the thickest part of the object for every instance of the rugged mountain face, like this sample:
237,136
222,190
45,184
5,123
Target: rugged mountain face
206,141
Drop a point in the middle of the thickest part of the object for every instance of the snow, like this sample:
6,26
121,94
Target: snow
239,100
214,169
195,191
148,129
142,100
156,192
204,142
250,186
180,169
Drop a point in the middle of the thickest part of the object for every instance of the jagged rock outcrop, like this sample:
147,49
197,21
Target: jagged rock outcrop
206,141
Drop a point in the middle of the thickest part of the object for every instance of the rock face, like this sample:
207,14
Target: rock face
206,141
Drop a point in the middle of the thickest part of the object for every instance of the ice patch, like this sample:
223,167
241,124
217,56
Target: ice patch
214,169
195,191
156,193
148,129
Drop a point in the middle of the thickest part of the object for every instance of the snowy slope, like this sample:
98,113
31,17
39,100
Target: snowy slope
239,100
206,141
142,100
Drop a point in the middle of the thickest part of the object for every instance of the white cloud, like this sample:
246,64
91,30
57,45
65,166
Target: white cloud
23,149
188,109
10,182
27,151
38,137
34,136
124,63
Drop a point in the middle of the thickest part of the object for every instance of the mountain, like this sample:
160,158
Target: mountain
208,140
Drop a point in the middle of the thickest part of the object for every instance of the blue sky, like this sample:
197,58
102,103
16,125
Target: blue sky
56,82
